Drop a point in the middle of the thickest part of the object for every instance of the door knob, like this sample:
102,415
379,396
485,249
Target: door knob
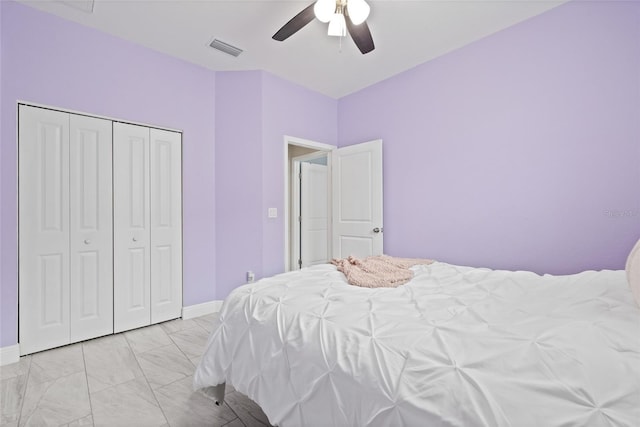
87,241
376,230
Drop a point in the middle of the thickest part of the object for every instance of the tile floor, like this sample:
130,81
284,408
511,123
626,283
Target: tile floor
137,378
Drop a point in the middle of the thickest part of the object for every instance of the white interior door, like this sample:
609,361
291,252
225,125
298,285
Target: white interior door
132,230
357,200
91,239
314,214
166,225
43,165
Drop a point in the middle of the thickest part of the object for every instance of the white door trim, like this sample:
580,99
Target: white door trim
307,143
96,116
292,140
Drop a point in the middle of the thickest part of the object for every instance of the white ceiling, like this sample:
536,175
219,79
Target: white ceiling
406,33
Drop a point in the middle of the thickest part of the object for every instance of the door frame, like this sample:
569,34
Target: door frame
294,201
306,143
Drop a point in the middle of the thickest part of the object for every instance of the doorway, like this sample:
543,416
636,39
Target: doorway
353,188
308,203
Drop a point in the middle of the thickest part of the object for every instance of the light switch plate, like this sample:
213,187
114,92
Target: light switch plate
273,213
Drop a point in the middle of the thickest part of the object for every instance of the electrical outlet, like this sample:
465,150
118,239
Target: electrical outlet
250,277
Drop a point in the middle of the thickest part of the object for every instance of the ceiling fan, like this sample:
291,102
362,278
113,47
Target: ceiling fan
342,16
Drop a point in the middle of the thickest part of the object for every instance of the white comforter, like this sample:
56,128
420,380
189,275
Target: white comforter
456,346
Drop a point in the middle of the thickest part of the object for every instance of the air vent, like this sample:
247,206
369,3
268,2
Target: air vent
225,47
83,5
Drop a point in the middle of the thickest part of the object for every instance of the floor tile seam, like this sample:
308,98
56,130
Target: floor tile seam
124,334
224,403
172,382
173,343
179,348
254,417
17,363
6,380
110,386
164,329
51,382
147,381
199,321
25,374
86,379
156,348
22,394
237,418
128,346
247,412
64,376
24,391
195,326
195,365
78,419
159,405
168,384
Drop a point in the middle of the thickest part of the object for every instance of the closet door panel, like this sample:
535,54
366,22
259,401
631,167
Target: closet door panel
131,227
91,309
43,165
166,225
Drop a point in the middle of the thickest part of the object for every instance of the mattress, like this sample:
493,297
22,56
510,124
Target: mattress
455,346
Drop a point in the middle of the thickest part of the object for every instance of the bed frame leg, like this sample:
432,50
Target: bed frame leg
217,392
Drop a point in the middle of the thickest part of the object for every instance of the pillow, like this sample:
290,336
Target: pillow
633,271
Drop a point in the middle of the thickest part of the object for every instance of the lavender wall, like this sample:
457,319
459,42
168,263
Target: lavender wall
288,109
520,151
238,178
255,109
55,62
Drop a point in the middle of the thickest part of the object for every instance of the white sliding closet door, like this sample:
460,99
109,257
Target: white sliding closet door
100,227
91,291
166,225
43,162
132,230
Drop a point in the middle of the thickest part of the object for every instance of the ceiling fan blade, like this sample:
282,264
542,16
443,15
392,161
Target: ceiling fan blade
361,36
295,24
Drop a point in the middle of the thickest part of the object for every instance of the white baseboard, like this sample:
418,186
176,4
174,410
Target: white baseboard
203,309
10,354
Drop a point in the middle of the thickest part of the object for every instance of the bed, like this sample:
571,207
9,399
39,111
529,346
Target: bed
455,346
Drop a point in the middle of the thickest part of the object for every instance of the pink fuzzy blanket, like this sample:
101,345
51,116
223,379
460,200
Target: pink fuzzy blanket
378,271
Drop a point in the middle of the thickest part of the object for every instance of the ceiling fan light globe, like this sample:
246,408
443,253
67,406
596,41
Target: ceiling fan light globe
358,11
324,9
337,26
